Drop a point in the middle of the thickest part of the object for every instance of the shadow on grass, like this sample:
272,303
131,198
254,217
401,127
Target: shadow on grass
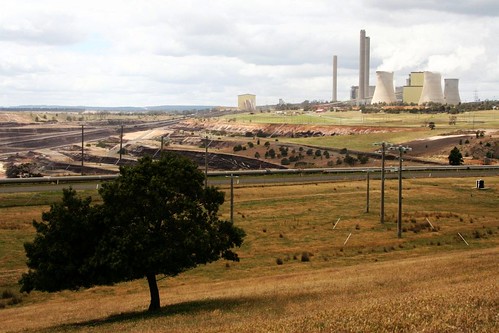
191,307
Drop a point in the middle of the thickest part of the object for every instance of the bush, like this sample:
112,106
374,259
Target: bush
285,161
305,256
363,159
7,293
250,144
350,160
279,261
238,148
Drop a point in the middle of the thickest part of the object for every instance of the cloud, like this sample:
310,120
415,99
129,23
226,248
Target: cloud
464,7
184,52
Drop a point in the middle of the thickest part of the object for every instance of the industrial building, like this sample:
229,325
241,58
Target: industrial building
411,92
384,91
432,89
425,87
420,88
364,64
246,102
451,92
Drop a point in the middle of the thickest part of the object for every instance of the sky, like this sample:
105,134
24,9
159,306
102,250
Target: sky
198,52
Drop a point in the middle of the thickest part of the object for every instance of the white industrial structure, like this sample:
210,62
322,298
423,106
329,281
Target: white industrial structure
384,92
335,78
451,91
432,89
364,54
246,102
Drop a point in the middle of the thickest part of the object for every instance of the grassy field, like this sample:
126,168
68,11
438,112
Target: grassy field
359,276
394,128
475,119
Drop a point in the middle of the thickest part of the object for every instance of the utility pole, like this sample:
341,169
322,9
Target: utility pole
82,147
206,163
231,198
399,220
382,209
367,198
121,141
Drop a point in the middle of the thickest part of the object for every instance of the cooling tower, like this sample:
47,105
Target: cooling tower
384,92
432,89
451,91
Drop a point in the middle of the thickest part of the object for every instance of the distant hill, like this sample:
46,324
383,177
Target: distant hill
62,108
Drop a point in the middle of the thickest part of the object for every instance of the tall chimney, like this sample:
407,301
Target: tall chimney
335,78
362,67
366,68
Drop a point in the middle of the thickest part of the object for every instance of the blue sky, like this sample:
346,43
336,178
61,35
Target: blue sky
155,52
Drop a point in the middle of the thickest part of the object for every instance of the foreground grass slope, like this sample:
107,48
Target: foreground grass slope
429,280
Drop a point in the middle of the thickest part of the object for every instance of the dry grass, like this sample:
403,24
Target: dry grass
427,281
438,293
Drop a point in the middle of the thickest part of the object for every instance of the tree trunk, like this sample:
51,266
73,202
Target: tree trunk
153,289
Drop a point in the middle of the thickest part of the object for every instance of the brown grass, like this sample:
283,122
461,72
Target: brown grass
427,281
437,293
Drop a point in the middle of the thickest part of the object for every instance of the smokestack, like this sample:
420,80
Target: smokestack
362,67
335,78
366,68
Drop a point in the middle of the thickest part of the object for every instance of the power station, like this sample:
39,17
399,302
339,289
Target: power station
421,88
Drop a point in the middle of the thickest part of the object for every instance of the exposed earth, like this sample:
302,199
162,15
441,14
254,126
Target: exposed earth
54,146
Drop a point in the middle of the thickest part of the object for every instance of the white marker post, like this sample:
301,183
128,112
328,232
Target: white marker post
463,239
430,224
346,240
334,226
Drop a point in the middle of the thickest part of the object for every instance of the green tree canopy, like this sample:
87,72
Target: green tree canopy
156,218
455,157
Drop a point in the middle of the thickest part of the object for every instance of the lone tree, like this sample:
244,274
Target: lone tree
156,218
455,157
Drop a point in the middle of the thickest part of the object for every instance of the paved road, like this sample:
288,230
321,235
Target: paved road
274,179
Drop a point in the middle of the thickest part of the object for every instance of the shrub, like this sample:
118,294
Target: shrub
350,160
7,293
305,256
363,159
285,161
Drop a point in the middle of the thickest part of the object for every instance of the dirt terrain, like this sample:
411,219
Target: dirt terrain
55,146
